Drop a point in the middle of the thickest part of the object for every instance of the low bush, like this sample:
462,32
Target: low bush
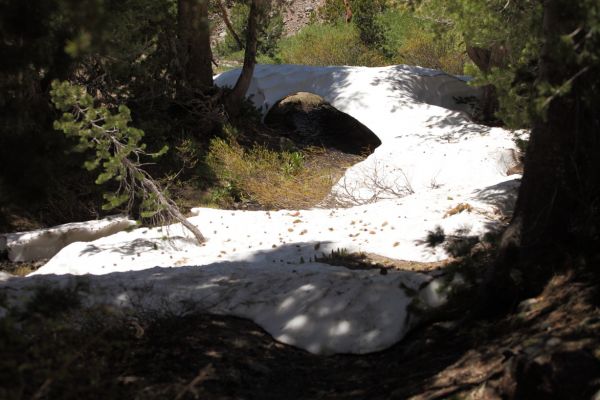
270,179
328,45
271,30
411,40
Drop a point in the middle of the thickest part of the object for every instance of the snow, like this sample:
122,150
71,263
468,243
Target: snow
261,265
45,243
306,305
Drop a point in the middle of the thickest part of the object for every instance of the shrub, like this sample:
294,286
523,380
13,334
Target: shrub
328,45
330,12
269,178
271,30
365,18
411,40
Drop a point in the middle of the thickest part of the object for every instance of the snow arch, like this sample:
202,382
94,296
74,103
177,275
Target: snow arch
371,95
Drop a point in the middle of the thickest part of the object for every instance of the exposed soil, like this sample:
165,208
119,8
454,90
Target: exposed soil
375,261
549,349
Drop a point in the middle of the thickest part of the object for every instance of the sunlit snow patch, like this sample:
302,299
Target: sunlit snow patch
434,168
45,243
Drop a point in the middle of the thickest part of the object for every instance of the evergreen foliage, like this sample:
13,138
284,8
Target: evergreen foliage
365,17
510,35
338,44
117,145
398,34
271,30
119,153
412,39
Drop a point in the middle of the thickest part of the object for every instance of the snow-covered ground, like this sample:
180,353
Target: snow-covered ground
45,243
260,265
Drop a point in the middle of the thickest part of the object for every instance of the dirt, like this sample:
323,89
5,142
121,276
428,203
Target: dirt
383,264
548,349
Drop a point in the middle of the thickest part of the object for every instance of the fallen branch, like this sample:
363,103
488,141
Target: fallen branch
118,151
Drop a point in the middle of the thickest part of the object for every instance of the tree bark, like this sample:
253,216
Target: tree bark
194,51
234,99
228,24
348,12
557,214
485,60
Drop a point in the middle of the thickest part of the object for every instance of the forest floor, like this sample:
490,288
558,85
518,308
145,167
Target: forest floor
548,348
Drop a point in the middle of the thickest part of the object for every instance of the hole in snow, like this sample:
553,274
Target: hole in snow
309,120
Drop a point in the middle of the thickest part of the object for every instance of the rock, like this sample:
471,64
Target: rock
313,121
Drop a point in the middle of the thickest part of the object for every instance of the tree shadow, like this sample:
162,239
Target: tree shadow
503,196
321,308
427,86
339,87
456,127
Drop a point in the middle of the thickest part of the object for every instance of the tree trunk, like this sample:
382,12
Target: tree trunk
233,101
194,51
557,213
348,12
228,24
485,60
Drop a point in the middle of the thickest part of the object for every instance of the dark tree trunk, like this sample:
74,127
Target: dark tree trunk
557,213
234,99
485,60
194,51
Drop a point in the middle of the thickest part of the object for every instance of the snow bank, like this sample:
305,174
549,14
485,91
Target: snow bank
434,168
319,308
352,88
45,243
419,115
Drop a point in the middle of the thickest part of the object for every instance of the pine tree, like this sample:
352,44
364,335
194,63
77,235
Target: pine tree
557,218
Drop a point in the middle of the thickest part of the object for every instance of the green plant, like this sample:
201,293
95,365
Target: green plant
413,40
330,12
508,34
268,178
365,19
109,135
118,152
292,163
269,35
328,45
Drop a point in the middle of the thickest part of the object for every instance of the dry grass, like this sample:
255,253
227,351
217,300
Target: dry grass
270,179
20,268
427,51
458,209
341,257
328,45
